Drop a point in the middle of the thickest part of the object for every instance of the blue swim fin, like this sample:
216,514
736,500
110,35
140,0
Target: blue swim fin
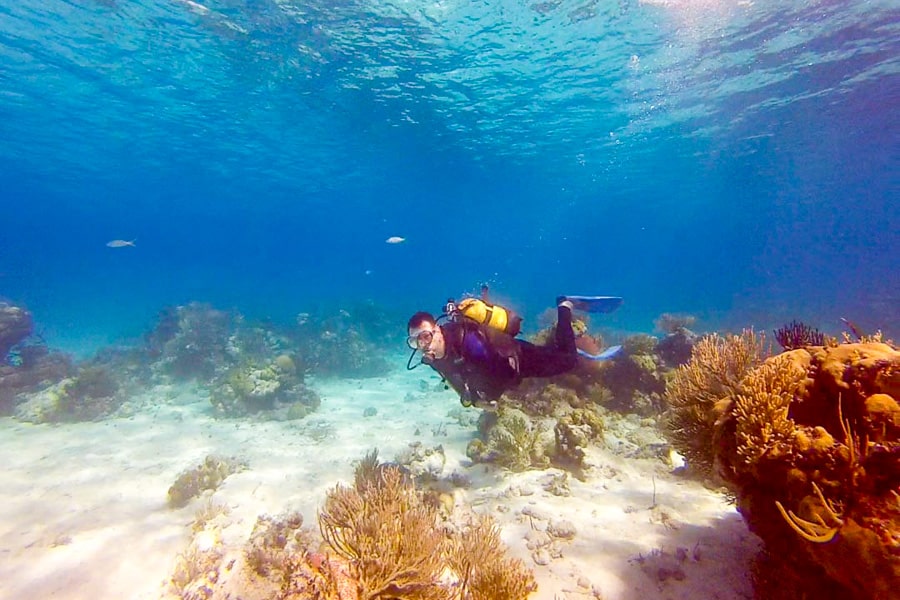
595,304
607,354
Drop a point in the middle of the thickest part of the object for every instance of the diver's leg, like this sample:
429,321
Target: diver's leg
565,336
544,361
552,359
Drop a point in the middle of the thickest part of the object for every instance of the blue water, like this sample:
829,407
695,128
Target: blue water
736,161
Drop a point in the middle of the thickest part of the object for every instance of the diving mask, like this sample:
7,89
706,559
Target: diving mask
420,340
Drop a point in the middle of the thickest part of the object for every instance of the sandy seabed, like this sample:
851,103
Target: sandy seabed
84,511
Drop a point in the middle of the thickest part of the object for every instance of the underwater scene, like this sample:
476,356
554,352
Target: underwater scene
449,299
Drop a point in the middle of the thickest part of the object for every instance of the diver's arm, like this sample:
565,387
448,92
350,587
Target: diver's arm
482,365
461,384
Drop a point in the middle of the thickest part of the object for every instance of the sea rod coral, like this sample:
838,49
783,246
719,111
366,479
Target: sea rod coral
395,547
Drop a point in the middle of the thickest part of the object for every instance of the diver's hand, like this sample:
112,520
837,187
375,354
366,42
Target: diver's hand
468,396
477,398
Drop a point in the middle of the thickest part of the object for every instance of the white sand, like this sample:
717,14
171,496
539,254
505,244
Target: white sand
84,511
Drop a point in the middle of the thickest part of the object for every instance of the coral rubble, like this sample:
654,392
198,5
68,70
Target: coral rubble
208,475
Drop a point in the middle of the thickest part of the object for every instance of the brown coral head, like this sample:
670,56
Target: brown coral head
883,417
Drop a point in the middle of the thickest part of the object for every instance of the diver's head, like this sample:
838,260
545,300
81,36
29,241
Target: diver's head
425,336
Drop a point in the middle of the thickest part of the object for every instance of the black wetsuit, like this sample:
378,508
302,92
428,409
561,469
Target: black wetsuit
481,363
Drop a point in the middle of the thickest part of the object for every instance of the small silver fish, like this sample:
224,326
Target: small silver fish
121,243
395,239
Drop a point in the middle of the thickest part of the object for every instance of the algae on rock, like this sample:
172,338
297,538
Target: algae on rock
514,442
208,475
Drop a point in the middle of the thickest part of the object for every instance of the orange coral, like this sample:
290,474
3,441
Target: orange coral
761,407
700,391
388,536
809,443
820,530
817,429
478,557
388,541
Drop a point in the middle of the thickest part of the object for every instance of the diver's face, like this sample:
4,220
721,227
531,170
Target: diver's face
427,339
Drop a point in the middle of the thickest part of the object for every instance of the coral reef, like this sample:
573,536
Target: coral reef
632,382
640,344
514,442
250,370
196,342
25,368
91,394
276,389
274,541
191,342
16,324
208,475
584,340
774,578
425,464
511,439
208,513
636,377
675,347
344,342
130,364
697,391
394,546
573,433
38,368
670,323
542,397
196,569
808,442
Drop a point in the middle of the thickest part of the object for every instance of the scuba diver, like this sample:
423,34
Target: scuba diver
473,347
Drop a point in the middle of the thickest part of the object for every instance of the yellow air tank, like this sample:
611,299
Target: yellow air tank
492,315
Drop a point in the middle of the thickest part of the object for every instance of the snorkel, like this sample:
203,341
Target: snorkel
409,365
